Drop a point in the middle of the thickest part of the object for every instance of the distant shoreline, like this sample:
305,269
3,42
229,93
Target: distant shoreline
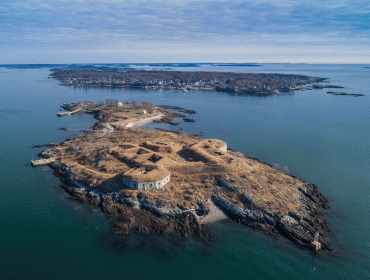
234,83
123,65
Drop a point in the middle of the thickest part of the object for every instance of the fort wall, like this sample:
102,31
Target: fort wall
134,185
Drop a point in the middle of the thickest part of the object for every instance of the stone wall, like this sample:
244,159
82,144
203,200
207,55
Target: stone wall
146,185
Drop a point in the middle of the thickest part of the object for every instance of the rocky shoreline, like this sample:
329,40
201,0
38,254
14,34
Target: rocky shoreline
134,213
345,94
146,217
208,182
297,228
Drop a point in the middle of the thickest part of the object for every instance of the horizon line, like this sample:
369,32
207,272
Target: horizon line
145,63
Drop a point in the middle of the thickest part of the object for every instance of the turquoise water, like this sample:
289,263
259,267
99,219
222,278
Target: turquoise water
319,137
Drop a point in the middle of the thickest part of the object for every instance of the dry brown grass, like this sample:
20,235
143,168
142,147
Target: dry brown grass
100,160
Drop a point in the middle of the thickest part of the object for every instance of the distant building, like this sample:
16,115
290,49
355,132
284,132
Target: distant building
143,112
119,104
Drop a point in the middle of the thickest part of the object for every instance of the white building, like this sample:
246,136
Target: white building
119,104
143,112
140,179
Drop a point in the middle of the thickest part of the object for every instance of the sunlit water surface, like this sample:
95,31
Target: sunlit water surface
319,137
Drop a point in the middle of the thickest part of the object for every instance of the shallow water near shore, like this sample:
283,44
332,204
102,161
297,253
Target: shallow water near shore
320,137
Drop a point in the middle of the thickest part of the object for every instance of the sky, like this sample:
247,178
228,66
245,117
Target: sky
141,31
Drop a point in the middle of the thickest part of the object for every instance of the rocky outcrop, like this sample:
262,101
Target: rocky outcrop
147,217
156,217
344,93
298,224
134,213
299,228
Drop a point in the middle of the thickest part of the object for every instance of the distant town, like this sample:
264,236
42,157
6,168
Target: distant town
237,83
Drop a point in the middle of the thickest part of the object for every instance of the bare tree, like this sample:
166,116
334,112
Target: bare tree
110,101
135,104
148,106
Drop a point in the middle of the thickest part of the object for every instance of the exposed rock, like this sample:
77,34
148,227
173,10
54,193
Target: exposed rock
344,93
50,145
298,228
206,179
130,213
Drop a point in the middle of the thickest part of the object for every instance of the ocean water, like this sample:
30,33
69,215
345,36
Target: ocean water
321,138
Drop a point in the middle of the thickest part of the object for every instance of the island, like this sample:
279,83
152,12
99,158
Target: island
235,83
168,182
345,94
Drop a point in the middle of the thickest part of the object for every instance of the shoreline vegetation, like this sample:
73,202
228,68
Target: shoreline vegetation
204,180
234,83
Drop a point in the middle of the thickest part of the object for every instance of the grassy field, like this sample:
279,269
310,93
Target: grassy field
197,166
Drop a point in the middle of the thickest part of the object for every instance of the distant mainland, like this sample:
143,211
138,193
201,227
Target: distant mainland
235,83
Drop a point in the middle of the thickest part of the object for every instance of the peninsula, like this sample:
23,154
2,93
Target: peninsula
236,83
174,183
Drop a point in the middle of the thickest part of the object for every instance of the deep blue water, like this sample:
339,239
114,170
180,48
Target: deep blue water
319,137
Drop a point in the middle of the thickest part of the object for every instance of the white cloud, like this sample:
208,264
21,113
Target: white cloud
183,27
